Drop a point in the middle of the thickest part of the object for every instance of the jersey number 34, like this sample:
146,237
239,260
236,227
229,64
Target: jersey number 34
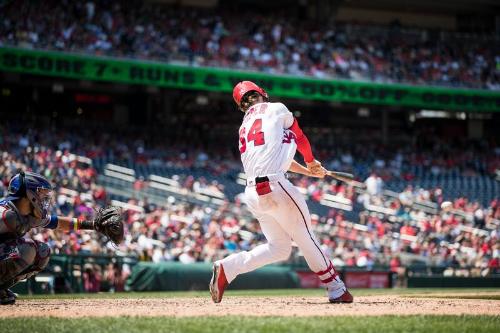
255,134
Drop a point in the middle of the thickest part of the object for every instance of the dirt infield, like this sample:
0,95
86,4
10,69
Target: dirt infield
250,306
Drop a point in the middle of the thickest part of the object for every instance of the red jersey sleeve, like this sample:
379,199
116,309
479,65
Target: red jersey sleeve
303,145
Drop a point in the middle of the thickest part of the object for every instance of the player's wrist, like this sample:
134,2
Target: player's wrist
313,163
53,222
310,160
87,225
75,225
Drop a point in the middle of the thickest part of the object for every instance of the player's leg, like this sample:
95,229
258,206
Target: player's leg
41,260
15,257
295,218
277,248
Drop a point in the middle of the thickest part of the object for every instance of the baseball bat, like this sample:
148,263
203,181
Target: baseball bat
345,177
340,175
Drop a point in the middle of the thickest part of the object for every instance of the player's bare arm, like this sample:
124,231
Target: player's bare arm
66,223
300,169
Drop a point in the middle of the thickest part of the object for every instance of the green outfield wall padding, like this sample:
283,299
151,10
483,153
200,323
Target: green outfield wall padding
176,276
21,288
126,71
36,287
453,282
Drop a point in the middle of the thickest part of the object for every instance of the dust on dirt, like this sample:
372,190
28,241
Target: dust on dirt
250,306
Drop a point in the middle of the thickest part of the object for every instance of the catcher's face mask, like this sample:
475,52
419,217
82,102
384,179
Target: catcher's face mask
40,200
36,188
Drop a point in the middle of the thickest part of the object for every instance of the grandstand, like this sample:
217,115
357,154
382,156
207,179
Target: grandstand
130,105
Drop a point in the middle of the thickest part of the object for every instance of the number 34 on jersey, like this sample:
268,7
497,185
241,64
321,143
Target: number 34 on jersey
256,135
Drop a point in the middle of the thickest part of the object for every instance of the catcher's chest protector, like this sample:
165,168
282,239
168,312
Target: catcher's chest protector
13,226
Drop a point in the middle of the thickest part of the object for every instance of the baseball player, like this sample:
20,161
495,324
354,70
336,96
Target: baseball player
269,137
26,207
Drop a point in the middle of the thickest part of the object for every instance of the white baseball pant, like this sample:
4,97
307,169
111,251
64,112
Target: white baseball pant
283,216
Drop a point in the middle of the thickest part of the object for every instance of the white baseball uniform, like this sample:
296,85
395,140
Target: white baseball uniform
267,148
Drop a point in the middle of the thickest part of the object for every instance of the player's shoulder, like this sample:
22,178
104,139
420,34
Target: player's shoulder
4,208
265,110
277,107
8,215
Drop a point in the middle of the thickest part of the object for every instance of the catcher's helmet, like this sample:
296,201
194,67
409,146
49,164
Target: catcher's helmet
244,87
33,186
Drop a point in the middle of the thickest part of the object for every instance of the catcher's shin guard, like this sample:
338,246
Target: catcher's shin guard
8,272
16,259
41,260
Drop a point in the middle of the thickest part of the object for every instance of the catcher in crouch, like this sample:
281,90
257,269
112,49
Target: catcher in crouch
26,207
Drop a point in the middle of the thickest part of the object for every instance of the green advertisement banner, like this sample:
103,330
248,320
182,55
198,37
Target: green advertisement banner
209,79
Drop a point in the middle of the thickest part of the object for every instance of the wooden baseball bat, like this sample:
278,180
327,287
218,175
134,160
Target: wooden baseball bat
345,177
340,175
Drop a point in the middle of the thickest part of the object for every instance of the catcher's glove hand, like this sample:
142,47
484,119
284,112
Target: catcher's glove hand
108,221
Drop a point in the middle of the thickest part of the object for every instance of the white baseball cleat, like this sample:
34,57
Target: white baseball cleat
218,283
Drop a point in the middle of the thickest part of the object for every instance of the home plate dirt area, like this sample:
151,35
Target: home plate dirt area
291,306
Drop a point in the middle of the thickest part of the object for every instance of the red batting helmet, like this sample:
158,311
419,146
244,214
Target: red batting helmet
246,86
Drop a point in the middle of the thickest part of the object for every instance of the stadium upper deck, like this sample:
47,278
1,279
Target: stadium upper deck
266,42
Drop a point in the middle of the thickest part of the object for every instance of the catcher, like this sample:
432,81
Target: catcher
26,207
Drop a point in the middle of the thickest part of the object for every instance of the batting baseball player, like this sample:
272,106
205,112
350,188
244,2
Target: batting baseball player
26,207
269,137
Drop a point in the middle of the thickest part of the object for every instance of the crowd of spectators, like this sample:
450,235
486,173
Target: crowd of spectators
275,42
394,230
426,155
395,234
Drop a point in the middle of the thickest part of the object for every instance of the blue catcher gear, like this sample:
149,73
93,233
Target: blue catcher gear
33,186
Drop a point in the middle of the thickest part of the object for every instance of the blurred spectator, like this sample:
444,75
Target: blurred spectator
374,184
92,278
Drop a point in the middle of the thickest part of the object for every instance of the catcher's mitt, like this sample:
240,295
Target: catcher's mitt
108,221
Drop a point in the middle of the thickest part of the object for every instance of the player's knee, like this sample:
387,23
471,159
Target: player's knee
18,261
281,251
27,252
42,255
35,259
286,252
